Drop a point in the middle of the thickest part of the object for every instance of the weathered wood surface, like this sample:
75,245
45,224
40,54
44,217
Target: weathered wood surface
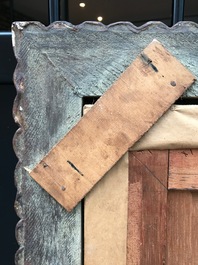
182,240
135,101
177,128
183,173
57,66
147,207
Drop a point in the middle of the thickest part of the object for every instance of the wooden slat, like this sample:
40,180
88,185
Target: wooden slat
147,207
194,231
183,170
105,218
145,91
177,128
183,182
182,240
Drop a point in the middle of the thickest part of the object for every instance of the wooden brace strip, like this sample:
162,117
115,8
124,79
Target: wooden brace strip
177,129
143,92
183,174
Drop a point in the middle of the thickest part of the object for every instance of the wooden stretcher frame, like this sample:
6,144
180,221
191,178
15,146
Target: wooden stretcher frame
57,67
144,210
148,199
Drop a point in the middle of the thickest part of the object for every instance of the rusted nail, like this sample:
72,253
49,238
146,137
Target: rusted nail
173,83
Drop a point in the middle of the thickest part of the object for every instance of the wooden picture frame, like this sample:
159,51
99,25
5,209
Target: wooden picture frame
57,67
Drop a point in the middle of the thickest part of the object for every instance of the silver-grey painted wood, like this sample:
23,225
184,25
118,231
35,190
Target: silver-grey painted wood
57,66
45,110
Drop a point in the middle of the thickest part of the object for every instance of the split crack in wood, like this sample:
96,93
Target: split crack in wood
147,60
74,167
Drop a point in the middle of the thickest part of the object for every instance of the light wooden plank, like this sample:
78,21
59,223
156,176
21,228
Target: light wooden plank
105,218
183,171
177,128
183,182
147,207
148,87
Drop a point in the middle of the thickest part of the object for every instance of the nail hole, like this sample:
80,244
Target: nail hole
45,165
63,188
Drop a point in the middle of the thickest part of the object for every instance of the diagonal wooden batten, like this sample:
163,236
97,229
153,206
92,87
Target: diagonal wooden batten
142,93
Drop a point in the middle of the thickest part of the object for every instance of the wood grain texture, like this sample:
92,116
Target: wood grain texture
117,46
105,218
194,233
182,240
147,207
45,111
50,83
177,128
183,173
116,121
